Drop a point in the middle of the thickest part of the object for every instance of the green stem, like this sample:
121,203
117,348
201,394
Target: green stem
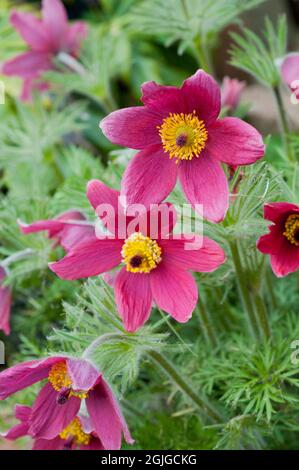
244,291
261,314
202,55
186,388
284,124
205,322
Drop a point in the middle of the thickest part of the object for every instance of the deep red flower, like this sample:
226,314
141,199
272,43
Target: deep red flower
282,243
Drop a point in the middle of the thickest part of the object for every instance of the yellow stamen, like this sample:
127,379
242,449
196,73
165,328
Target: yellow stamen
59,379
292,229
75,433
183,136
141,254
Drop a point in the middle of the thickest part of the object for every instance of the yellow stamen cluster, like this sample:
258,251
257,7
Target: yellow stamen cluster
59,379
183,136
141,254
292,229
75,433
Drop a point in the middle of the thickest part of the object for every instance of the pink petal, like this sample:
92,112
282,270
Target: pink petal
150,177
55,22
5,304
271,243
49,444
208,257
95,444
32,30
275,210
75,35
22,413
88,259
235,142
48,418
133,298
72,235
98,194
25,374
163,99
286,261
27,65
231,92
106,416
174,291
15,432
82,373
290,69
204,182
202,94
134,127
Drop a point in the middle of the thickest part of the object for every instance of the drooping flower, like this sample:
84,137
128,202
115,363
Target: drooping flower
63,229
154,267
290,72
179,135
69,381
231,92
79,433
282,243
45,38
5,303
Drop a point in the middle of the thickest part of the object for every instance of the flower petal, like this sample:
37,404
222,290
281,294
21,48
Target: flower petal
290,69
202,94
5,304
204,182
49,444
76,33
134,127
19,430
98,193
235,142
271,243
106,416
206,258
174,291
274,211
48,418
25,374
31,30
82,373
27,65
163,99
286,261
88,259
55,22
133,298
149,178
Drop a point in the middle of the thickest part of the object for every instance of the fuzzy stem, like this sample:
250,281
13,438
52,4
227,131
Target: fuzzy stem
243,290
202,55
177,378
261,314
284,124
205,322
72,63
87,354
17,257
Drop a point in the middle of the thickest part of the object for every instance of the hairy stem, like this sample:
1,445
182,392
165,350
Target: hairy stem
17,257
176,377
205,322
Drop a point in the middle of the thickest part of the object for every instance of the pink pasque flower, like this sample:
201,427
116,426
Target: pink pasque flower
180,136
282,243
5,303
63,229
79,434
69,381
231,92
45,38
290,72
154,268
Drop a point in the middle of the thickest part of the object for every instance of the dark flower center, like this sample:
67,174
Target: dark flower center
136,261
181,140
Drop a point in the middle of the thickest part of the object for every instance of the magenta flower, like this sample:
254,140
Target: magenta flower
78,434
154,268
180,136
45,38
290,72
282,243
69,381
63,229
231,92
5,303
